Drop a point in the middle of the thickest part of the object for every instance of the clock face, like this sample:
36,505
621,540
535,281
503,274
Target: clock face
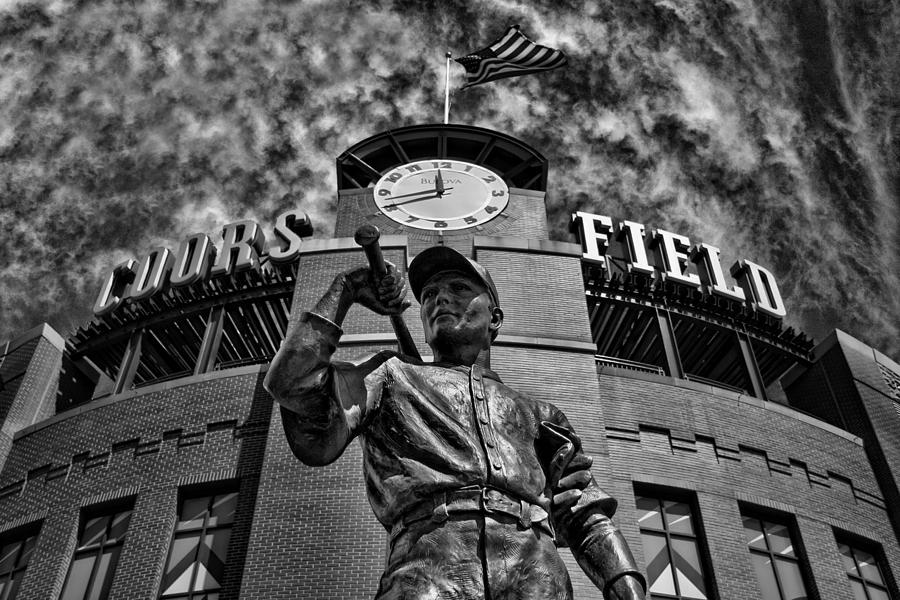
441,194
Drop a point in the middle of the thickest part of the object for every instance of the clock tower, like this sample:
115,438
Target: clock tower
442,184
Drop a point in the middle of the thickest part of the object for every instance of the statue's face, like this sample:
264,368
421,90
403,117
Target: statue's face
457,313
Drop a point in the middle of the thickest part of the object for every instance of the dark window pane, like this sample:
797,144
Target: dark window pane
868,567
119,525
26,551
878,593
791,580
678,517
779,539
648,512
8,555
97,587
105,571
13,586
765,575
94,530
13,560
859,592
193,511
688,569
753,533
659,569
218,542
78,578
223,509
847,559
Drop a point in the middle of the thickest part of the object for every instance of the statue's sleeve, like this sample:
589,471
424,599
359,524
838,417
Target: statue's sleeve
586,527
324,403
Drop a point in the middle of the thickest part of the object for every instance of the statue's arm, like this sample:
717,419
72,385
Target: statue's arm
323,403
582,515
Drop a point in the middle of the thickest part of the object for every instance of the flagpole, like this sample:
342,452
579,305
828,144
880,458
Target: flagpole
447,91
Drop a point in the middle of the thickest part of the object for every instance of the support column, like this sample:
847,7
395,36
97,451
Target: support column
130,361
667,335
209,348
756,380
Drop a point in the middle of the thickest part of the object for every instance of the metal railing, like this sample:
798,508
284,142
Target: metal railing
714,383
631,365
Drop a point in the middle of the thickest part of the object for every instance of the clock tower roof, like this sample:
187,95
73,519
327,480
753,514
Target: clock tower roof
520,165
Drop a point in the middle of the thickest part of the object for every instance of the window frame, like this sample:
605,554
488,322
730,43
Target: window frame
789,522
857,543
199,532
662,494
111,510
21,535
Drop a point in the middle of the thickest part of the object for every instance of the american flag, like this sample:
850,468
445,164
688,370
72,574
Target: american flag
510,56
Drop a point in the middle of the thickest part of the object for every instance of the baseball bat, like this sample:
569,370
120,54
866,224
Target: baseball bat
367,237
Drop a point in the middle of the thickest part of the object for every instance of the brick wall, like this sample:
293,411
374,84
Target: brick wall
878,418
856,379
730,450
144,446
30,371
314,535
541,295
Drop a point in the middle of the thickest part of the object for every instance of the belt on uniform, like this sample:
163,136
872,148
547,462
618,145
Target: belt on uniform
485,500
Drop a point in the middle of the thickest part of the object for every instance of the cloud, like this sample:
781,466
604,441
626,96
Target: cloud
122,128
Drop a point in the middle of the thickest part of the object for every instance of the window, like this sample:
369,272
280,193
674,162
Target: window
864,573
100,539
15,551
671,547
196,565
775,560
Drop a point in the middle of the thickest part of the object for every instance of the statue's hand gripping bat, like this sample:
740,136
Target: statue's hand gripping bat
367,237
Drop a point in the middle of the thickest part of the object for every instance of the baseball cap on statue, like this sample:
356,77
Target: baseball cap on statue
437,259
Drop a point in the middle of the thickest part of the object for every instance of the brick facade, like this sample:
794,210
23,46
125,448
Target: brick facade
144,447
731,451
304,532
851,385
30,373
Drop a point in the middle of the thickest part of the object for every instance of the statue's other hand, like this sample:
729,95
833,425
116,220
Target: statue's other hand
386,296
576,477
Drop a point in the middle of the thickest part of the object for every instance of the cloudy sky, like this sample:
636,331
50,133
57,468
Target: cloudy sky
768,128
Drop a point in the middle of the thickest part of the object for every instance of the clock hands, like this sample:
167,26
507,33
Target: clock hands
439,184
417,199
413,194
439,189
